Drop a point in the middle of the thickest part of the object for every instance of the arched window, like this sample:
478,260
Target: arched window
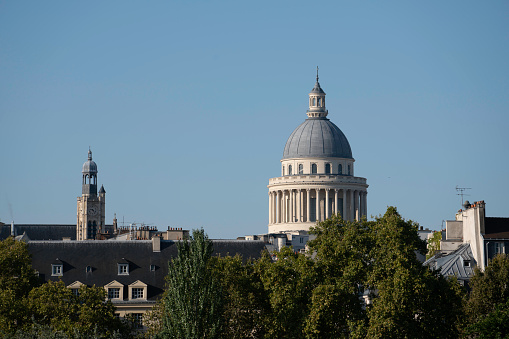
327,168
283,170
319,101
349,172
289,169
301,168
340,169
313,169
314,101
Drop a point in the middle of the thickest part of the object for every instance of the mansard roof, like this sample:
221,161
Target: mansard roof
454,263
104,257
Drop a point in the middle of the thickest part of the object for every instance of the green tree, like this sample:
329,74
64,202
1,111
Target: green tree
87,313
489,299
245,299
17,278
342,263
289,283
434,244
192,303
410,300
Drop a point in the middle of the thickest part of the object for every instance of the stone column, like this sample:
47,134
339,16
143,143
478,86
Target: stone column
365,204
308,204
299,205
350,209
327,211
292,210
345,210
270,208
318,214
336,209
356,205
278,207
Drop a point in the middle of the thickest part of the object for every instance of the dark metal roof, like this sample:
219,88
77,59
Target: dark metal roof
89,166
316,138
317,88
453,264
40,232
104,257
44,232
496,228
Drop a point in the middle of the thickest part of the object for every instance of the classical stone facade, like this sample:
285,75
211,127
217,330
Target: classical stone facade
317,174
91,206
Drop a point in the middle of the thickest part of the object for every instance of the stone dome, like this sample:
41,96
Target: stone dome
317,138
89,166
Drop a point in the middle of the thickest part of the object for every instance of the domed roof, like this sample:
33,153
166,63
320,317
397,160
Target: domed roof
316,138
89,166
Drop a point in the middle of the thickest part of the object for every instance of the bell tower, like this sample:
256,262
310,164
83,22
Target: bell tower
91,207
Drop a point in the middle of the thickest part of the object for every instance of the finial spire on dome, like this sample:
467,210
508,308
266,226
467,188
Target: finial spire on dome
89,153
317,101
316,73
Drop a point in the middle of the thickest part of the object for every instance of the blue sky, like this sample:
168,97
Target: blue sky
187,105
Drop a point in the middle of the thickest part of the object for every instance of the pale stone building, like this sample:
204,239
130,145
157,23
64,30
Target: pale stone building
317,174
91,206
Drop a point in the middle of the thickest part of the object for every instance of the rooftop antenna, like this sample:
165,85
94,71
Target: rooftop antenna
461,190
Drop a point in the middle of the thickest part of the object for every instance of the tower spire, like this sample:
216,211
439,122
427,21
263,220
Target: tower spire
316,73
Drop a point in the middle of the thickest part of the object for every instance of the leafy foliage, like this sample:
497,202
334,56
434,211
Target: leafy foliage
88,313
17,278
192,304
245,299
434,244
488,304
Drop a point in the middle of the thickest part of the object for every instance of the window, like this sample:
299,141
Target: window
313,169
123,269
289,169
301,240
283,170
57,270
327,168
75,291
319,101
152,268
137,293
113,293
137,319
349,173
340,169
88,269
314,101
301,168
466,263
498,248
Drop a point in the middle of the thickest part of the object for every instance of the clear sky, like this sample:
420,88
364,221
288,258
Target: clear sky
187,105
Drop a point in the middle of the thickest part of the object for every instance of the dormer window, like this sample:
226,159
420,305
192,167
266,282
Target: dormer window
88,269
466,263
57,270
152,268
123,269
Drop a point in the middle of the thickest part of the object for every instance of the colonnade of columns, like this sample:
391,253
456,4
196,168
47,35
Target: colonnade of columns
310,204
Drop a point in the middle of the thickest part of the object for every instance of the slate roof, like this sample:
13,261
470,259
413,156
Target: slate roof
104,257
40,232
496,228
44,231
454,263
316,138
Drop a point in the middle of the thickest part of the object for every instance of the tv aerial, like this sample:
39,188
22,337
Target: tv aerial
461,191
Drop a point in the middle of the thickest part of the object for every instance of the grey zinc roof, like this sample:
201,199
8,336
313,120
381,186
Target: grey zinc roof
315,138
44,232
104,256
454,263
